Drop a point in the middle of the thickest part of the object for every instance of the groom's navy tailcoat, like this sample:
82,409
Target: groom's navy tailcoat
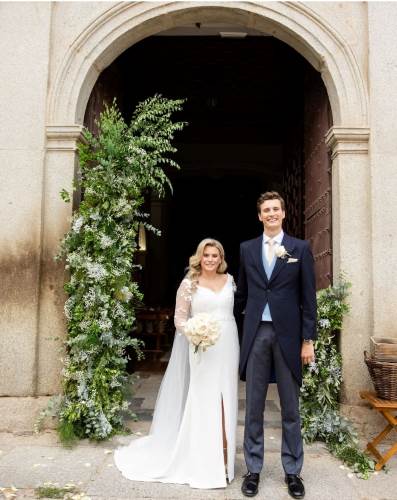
290,292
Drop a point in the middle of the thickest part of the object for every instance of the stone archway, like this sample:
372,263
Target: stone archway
125,24
294,23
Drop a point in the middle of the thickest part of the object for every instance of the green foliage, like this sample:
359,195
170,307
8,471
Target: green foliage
322,380
117,168
52,490
51,410
65,196
349,452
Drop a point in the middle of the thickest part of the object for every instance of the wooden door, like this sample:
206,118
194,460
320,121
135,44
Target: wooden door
108,86
317,174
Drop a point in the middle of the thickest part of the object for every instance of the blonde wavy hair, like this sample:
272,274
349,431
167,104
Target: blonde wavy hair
194,270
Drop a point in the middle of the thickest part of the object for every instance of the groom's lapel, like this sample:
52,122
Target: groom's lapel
288,244
258,257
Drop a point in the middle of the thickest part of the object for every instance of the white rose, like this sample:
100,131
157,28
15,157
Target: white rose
281,252
202,331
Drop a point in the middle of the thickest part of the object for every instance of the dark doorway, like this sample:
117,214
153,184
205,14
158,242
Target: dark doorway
245,105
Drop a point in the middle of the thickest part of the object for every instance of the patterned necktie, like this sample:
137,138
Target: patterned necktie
270,251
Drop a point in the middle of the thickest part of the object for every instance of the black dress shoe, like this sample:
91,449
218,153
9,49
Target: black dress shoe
295,485
250,484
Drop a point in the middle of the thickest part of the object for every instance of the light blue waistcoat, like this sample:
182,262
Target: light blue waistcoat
266,316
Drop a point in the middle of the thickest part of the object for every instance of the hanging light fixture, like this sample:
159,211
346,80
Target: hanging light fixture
232,34
142,238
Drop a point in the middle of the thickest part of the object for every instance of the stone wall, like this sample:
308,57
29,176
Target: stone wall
382,21
25,45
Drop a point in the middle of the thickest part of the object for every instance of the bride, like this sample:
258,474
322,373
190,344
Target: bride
192,439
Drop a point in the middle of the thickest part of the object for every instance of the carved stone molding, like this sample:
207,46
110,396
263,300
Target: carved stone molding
121,24
343,140
63,137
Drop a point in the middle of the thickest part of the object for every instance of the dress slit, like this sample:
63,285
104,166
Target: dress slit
224,437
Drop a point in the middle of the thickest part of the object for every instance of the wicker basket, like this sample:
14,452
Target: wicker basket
384,377
384,349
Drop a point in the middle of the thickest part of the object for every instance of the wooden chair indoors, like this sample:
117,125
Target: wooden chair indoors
154,327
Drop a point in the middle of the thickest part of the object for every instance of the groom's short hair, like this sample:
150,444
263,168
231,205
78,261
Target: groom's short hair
270,195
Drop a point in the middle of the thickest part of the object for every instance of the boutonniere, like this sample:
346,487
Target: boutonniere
281,252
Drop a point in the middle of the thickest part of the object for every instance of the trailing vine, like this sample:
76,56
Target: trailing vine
319,406
117,167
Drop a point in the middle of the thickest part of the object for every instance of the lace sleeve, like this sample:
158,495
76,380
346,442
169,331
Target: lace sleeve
182,306
234,286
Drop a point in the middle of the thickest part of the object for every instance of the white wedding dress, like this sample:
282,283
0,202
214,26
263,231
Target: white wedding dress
185,443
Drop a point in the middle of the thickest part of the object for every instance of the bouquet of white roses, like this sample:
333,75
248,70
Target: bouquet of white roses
202,330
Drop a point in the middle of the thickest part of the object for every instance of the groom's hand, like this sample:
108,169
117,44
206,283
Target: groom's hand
307,353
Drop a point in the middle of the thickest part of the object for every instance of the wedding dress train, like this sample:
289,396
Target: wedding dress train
185,443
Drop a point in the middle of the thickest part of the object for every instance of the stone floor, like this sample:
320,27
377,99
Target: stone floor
29,461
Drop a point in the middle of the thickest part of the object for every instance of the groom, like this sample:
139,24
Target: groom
276,300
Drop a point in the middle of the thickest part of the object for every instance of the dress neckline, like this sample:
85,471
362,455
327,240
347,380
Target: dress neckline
217,292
